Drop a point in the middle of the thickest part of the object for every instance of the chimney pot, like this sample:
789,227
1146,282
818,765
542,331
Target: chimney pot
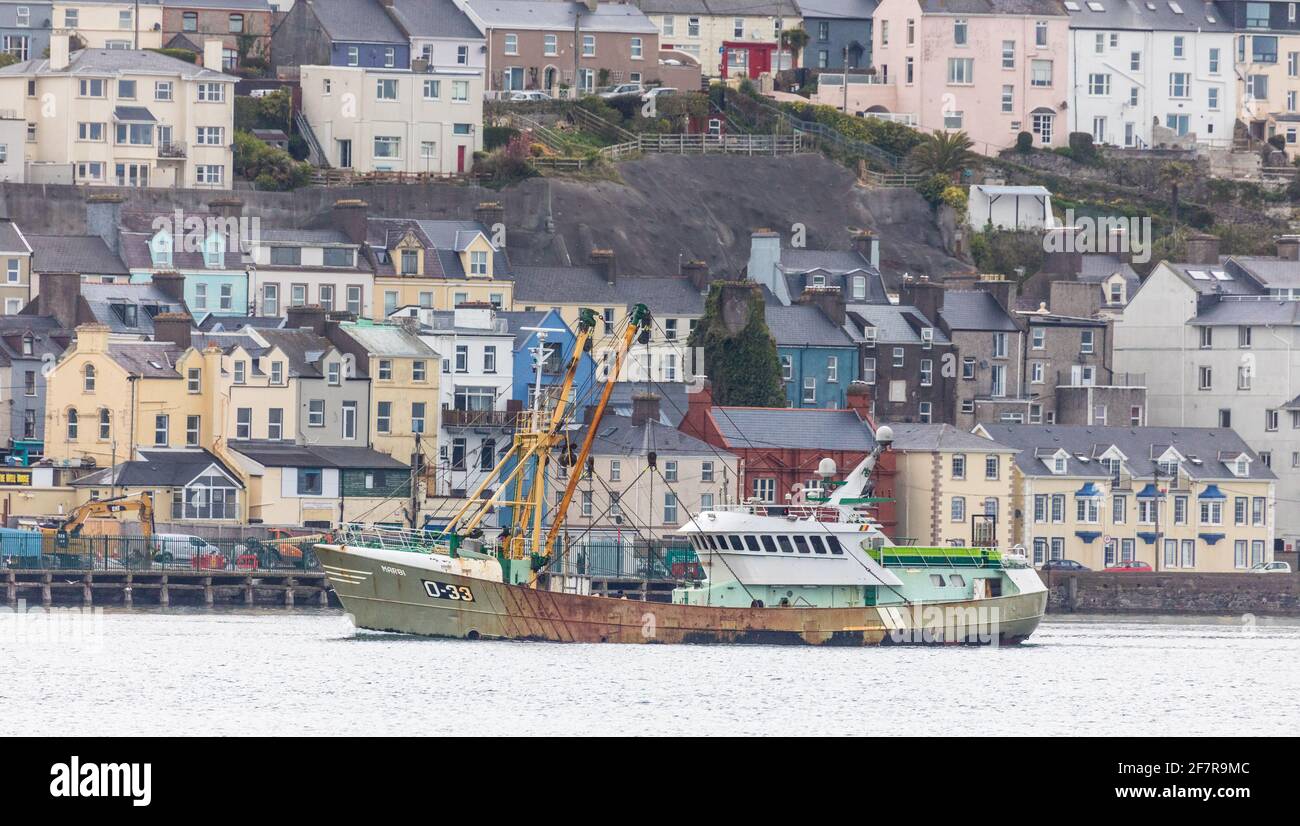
174,327
604,261
645,408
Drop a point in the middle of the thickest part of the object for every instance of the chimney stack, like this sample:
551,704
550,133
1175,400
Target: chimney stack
923,294
830,300
998,287
1288,247
1063,257
645,408
59,52
350,218
174,327
698,273
104,217
858,397
93,338
867,244
603,260
171,284
60,292
212,50
489,214
1202,249
306,316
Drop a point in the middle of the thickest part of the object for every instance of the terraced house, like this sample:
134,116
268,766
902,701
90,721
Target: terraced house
126,118
16,261
242,26
25,28
729,38
111,24
1178,498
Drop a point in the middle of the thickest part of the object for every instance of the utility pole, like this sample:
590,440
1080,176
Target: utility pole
414,516
1159,541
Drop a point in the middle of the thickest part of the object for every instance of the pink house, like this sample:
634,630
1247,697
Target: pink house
991,68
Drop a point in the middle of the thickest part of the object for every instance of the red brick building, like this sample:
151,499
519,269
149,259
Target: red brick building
780,447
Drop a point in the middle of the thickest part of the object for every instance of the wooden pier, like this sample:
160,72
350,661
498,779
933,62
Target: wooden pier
166,588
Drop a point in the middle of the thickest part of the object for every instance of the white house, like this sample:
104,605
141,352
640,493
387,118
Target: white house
395,120
476,348
1135,66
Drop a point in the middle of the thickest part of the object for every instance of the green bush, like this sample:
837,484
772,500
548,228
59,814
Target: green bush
179,54
268,167
497,136
269,112
888,135
1024,142
933,187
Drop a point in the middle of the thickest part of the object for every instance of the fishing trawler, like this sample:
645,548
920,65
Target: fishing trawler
817,571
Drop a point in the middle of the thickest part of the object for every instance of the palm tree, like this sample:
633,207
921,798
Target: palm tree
794,41
943,153
1172,175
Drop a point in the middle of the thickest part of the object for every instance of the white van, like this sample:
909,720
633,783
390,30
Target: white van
180,547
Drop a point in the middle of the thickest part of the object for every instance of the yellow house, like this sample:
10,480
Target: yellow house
403,373
437,264
1178,499
104,24
952,487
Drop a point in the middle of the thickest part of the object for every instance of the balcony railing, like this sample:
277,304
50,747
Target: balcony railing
172,149
479,418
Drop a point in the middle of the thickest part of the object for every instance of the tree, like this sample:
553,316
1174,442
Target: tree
7,59
740,357
943,153
1172,175
794,41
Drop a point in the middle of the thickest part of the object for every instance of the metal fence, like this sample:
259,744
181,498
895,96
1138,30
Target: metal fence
37,550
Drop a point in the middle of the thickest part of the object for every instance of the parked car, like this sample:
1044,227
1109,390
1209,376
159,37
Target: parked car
658,92
527,95
1131,565
1064,565
1272,568
184,547
623,89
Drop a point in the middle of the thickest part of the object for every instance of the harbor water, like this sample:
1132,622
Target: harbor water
234,672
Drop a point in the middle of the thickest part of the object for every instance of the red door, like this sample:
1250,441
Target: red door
460,158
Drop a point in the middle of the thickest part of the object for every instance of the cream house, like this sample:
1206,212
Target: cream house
112,24
396,120
1177,498
125,117
15,268
952,487
719,33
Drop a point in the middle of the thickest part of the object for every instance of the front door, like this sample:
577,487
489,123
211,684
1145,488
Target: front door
345,154
460,158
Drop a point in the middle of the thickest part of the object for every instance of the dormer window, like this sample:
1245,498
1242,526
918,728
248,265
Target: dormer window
927,337
1059,463
819,281
1168,468
127,314
160,249
859,288
214,251
410,262
29,346
478,263
1241,467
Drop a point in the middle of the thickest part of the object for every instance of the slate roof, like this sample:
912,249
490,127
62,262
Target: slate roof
11,237
303,348
120,61
435,18
803,325
1231,312
517,321
305,237
750,8
288,454
1152,16
150,359
352,21
1141,445
1208,284
445,238
1270,272
894,324
673,399
137,255
84,254
48,338
974,310
554,14
619,437
1037,8
667,295
839,9
942,437
101,299
158,468
798,428
213,322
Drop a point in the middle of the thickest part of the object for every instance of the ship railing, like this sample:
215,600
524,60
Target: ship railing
388,538
822,513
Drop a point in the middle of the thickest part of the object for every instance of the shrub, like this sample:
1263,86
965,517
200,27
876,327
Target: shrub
933,187
268,167
496,136
1024,142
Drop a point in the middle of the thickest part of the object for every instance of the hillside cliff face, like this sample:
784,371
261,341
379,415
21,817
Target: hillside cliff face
667,210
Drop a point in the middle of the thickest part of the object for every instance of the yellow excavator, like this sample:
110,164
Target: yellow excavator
57,538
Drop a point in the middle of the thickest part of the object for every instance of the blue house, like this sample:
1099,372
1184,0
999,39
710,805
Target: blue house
215,278
818,358
838,29
559,346
25,29
340,33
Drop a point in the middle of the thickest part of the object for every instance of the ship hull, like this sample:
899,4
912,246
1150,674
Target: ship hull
396,591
